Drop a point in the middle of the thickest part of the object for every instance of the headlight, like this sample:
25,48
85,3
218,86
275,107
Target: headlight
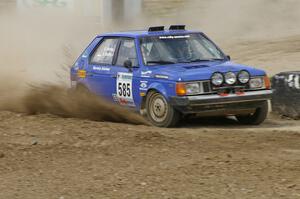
230,78
192,88
243,77
257,82
217,79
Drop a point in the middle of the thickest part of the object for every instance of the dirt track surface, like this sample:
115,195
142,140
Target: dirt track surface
50,157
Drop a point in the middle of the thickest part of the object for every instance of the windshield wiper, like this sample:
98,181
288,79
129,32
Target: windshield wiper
200,60
160,62
220,59
194,60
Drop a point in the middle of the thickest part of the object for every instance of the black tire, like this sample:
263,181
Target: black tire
159,112
256,118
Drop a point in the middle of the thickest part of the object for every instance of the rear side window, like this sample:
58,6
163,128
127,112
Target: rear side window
104,53
127,52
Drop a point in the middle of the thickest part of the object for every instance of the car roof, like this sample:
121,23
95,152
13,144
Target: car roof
143,33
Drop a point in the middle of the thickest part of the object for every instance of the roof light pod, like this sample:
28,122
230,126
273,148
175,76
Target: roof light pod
156,28
177,27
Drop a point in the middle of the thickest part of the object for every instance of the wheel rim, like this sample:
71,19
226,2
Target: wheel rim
158,108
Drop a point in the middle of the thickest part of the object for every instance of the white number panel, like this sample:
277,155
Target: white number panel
124,89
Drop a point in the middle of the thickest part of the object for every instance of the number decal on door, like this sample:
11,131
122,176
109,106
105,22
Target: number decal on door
124,89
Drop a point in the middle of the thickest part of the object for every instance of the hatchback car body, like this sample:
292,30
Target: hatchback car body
166,74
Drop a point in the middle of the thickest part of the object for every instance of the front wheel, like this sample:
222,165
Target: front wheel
159,112
258,117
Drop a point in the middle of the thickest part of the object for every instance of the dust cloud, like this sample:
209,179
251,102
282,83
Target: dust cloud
35,63
65,102
229,20
39,44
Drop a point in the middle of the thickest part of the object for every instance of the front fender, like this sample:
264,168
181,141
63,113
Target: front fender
159,88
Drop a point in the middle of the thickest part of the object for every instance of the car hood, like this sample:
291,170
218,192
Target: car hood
200,71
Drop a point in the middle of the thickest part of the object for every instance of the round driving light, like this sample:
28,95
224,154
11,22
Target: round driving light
230,78
243,77
217,79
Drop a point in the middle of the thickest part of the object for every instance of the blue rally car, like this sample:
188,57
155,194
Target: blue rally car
167,74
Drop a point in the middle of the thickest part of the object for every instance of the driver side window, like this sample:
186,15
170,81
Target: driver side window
127,51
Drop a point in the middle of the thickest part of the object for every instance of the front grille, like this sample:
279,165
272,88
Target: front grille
206,87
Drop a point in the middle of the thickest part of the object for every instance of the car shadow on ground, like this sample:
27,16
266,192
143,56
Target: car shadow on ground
224,122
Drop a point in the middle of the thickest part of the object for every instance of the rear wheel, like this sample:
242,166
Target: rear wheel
258,117
159,112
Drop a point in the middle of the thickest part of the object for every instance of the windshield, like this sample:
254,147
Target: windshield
171,49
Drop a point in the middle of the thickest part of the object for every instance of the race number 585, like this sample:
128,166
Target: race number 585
124,89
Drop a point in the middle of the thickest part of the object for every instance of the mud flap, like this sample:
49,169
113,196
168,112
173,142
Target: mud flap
286,95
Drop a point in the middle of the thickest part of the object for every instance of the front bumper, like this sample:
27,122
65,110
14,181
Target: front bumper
222,105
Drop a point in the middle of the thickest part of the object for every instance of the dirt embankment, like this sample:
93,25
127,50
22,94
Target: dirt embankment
272,55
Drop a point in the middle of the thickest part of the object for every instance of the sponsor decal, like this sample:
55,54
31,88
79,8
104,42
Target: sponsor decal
115,97
125,76
45,3
161,76
146,73
174,36
101,68
143,85
123,101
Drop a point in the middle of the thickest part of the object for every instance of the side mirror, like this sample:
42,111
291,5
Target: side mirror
128,64
228,57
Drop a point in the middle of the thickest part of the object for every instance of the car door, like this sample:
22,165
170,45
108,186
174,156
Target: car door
100,75
125,85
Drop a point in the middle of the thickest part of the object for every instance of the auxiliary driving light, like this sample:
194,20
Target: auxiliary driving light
230,78
243,77
217,79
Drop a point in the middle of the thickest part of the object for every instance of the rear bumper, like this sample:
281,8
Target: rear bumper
230,104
